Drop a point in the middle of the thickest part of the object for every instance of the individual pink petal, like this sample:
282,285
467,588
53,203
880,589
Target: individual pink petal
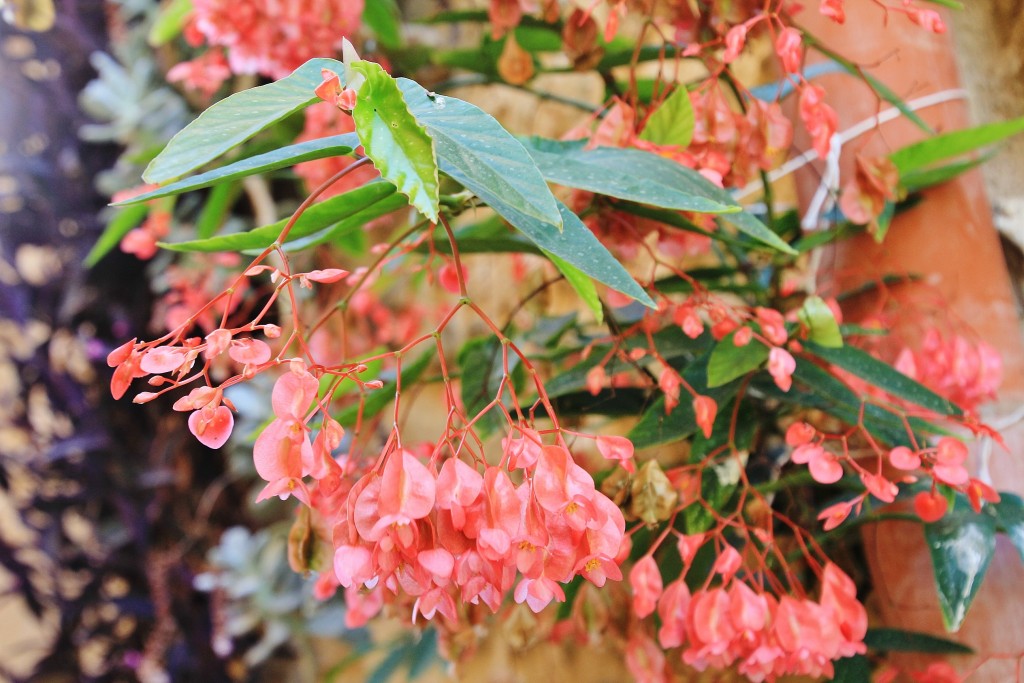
353,565
327,275
280,450
292,395
407,489
249,351
673,607
902,458
439,562
217,342
163,359
781,366
458,484
617,448
825,468
705,409
212,427
645,580
879,487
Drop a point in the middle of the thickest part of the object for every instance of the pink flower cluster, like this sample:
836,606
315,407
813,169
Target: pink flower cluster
456,533
734,624
267,38
964,372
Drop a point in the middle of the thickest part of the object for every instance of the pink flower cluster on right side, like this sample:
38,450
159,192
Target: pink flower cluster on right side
736,624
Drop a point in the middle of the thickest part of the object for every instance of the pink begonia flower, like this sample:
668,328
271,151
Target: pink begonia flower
819,119
212,425
353,565
645,580
523,451
362,605
249,351
825,467
644,659
735,38
598,569
669,383
773,325
435,601
799,434
902,458
673,606
879,487
538,593
930,506
596,379
617,448
448,277
217,343
789,48
781,366
688,545
950,455
407,492
458,487
834,10
743,336
836,514
705,410
727,563
161,359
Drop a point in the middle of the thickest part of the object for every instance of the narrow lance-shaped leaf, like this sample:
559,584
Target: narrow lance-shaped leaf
961,546
630,174
398,144
475,150
333,146
948,145
119,226
237,118
378,196
884,376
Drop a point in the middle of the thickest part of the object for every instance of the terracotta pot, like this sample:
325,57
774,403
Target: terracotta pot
949,238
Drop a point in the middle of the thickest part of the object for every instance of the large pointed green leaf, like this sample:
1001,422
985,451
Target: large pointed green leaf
949,145
475,150
961,546
630,174
1009,513
333,146
671,123
398,144
363,203
237,118
898,640
884,376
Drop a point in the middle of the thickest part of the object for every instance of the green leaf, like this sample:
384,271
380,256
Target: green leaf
729,362
897,640
821,323
382,17
367,202
856,669
952,4
949,145
476,151
583,285
237,118
398,144
671,123
169,22
120,225
1009,513
919,179
961,546
630,174
333,146
884,376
